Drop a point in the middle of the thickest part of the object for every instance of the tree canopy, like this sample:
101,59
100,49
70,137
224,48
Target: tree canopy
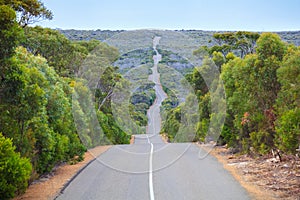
28,11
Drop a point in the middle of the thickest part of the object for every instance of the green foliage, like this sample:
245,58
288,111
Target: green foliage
269,45
179,122
202,129
262,97
218,59
61,53
29,11
64,55
288,131
251,89
204,116
197,81
289,78
35,102
14,170
39,118
260,141
172,123
262,91
141,101
288,102
10,32
241,43
112,131
170,102
89,45
201,79
83,108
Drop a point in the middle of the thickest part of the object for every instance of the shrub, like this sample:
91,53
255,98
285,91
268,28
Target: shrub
14,170
288,131
260,141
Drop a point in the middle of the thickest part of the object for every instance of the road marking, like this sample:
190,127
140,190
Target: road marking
156,103
151,174
153,126
148,139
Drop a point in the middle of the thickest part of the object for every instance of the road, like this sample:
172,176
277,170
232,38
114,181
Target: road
151,169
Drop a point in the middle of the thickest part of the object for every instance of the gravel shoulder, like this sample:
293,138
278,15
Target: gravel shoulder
50,186
263,177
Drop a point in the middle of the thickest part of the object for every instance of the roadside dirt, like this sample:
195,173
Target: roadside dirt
132,139
264,177
165,138
48,187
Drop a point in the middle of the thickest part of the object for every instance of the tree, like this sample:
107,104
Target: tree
241,43
288,102
68,57
246,42
61,53
269,45
10,32
35,103
251,89
270,50
29,11
106,85
218,59
37,113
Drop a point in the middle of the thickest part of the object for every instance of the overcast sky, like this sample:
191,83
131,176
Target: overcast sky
252,15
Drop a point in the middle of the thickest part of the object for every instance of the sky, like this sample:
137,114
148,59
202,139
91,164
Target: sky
231,15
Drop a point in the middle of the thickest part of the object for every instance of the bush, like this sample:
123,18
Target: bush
288,131
14,170
202,129
261,141
172,124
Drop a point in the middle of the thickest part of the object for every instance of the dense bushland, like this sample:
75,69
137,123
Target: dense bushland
39,74
261,77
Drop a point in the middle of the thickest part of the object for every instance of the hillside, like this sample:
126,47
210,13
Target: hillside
201,36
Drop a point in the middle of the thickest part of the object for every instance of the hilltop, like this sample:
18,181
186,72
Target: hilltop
203,37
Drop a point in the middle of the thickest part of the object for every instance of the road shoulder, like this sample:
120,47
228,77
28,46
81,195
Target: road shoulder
262,178
49,187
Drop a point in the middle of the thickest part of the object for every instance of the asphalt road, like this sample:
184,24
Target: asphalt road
151,169
123,173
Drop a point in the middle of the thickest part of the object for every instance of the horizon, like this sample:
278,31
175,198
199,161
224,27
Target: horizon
206,15
97,29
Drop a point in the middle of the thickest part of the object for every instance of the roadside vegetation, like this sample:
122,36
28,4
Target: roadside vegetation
38,69
261,76
141,100
42,83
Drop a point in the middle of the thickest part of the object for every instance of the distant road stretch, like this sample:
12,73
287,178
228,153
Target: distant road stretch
151,169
